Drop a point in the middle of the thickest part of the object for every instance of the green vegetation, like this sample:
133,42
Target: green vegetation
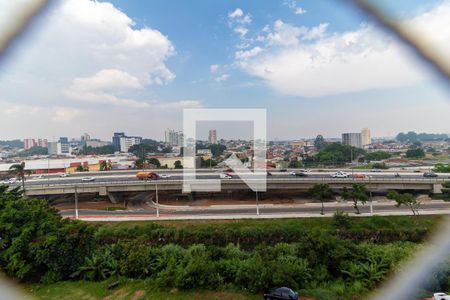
33,151
12,143
336,258
377,155
406,199
412,137
322,192
441,168
18,170
88,150
336,154
415,153
358,192
129,289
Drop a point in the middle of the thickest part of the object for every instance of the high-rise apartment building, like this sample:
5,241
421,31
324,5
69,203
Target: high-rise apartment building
173,138
116,140
212,137
352,139
85,137
365,137
29,143
127,141
122,143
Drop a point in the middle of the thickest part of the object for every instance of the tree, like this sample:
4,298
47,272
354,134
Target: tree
406,199
321,191
178,165
19,171
79,168
377,155
441,168
154,161
319,142
36,150
105,165
88,150
415,153
357,193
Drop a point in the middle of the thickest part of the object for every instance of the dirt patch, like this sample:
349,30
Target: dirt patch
119,294
138,295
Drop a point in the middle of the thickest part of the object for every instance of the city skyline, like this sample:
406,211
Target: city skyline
233,56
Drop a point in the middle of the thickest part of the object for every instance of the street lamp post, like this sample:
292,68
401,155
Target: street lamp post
157,201
370,194
257,203
76,203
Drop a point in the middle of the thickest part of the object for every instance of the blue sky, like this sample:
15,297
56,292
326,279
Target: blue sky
316,66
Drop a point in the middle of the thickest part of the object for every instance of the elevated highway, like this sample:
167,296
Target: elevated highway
103,188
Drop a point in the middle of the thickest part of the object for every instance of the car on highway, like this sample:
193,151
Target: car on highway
359,175
165,176
376,170
86,179
225,176
269,174
430,174
281,293
6,181
40,177
147,175
339,175
64,175
12,180
299,174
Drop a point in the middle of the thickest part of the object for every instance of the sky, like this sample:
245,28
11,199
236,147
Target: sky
317,67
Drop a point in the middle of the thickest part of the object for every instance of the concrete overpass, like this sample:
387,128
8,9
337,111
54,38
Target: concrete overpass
432,185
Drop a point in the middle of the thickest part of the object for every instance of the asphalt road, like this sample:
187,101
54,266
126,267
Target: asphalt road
130,176
306,209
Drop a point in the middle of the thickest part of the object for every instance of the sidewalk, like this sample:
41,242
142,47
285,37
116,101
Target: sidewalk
166,217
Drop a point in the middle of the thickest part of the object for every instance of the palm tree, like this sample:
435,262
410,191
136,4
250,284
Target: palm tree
19,171
321,191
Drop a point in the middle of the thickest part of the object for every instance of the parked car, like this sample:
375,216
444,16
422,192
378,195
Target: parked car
430,174
283,293
441,296
88,179
165,176
339,175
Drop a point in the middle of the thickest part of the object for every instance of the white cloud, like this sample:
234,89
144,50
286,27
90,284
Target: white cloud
222,77
65,114
292,4
304,61
180,104
238,20
238,16
82,37
214,68
244,55
242,31
101,88
236,13
299,11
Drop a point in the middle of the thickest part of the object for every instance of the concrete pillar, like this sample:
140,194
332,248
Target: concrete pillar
114,198
437,188
103,191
